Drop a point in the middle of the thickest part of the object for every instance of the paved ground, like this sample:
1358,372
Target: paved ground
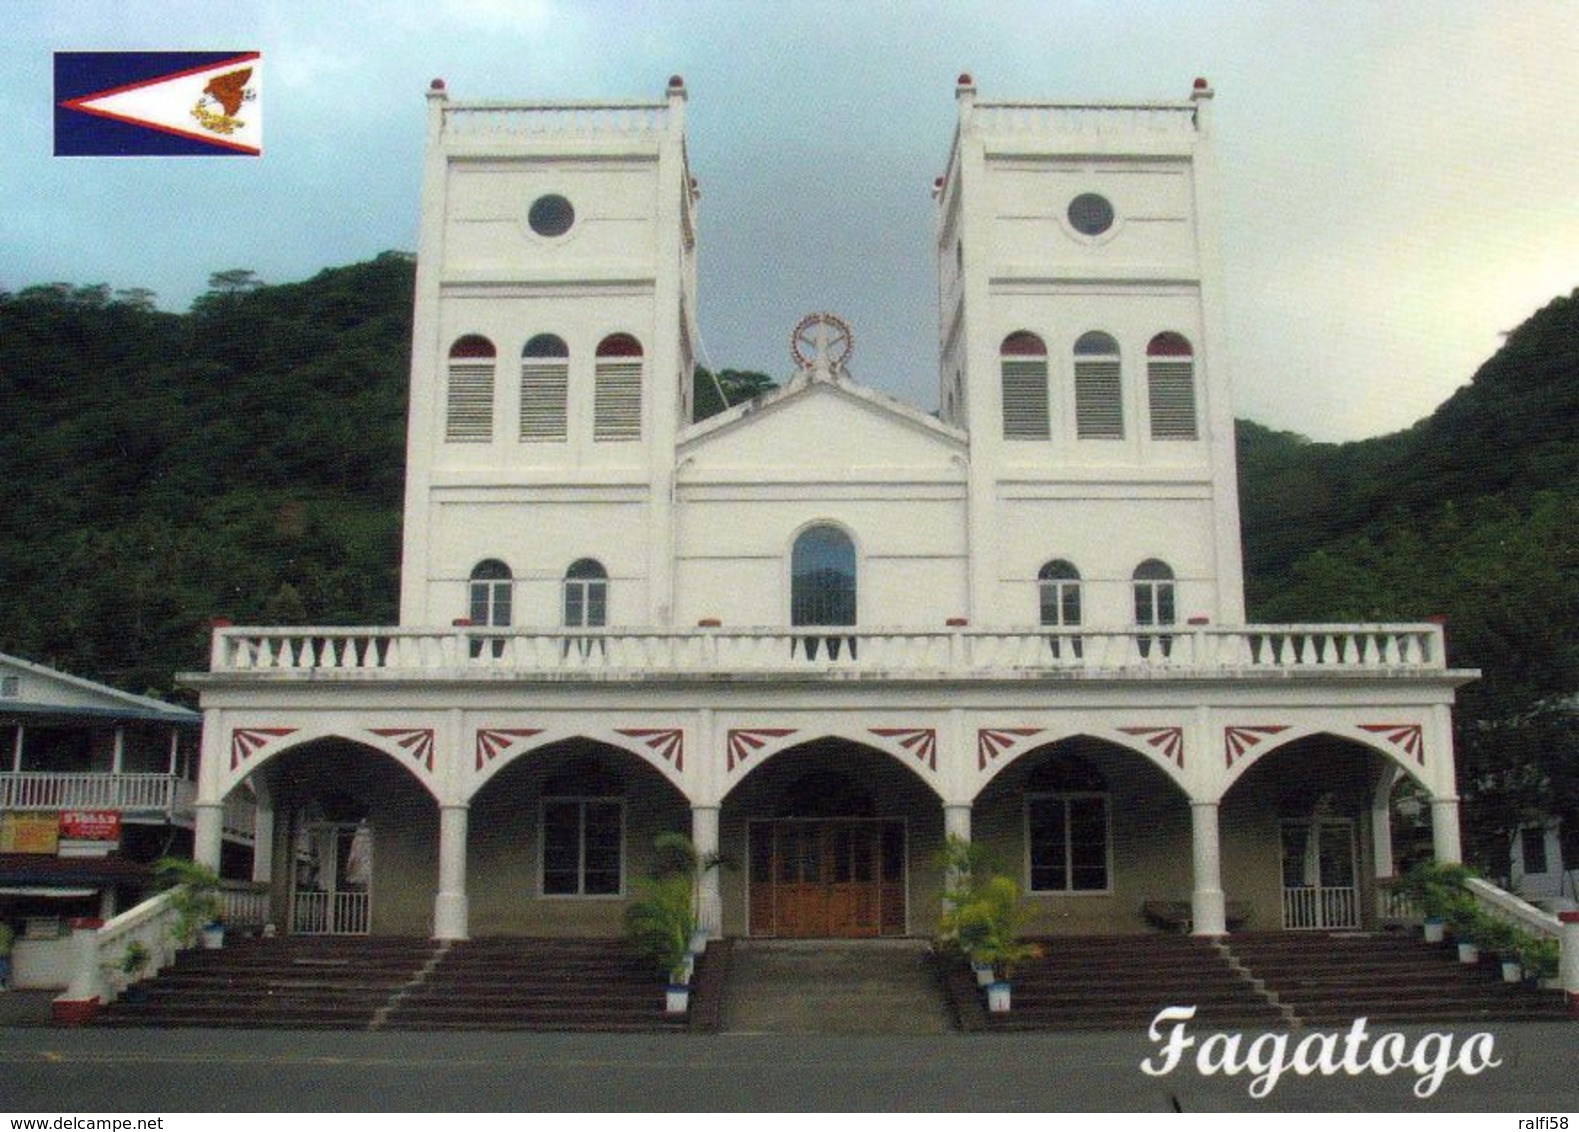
865,987
145,1072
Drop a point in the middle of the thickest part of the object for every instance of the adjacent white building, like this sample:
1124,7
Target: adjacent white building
823,630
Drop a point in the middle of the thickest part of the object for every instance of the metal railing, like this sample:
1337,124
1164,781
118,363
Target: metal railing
1319,906
331,913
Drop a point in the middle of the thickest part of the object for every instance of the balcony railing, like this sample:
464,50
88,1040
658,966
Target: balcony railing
49,790
373,653
141,795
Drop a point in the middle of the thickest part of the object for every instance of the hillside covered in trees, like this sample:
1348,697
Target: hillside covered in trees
246,460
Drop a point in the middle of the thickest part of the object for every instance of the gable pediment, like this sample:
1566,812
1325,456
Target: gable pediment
821,430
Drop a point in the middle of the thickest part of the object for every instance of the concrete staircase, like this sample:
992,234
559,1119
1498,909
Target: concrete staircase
1118,983
536,984
373,982
325,982
1329,979
880,986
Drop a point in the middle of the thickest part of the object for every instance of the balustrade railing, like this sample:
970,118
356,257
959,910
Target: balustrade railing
1321,906
331,913
558,119
1119,119
364,652
91,790
130,793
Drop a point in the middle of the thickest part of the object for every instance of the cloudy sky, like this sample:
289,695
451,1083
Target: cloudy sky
1401,179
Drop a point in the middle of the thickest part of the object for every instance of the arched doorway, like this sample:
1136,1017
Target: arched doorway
1317,807
353,841
824,864
332,867
837,840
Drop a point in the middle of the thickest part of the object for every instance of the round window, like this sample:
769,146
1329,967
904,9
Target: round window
551,215
1091,214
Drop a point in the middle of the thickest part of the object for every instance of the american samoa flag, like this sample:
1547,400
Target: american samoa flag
158,104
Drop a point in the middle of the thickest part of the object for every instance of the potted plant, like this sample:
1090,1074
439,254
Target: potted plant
1539,956
1438,893
133,962
7,940
990,929
676,853
660,921
1498,937
195,898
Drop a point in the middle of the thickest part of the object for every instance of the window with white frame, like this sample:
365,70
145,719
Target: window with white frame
1023,362
1154,598
586,595
1067,828
583,824
1059,585
1099,388
490,593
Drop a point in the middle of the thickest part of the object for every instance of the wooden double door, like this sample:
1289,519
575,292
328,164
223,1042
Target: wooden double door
827,877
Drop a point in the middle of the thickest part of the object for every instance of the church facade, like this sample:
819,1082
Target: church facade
823,631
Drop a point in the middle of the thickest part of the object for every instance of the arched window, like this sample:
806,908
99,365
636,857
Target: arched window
1154,593
469,402
1099,388
1066,826
1170,384
1059,583
586,595
1154,604
822,578
1023,362
490,593
545,385
616,389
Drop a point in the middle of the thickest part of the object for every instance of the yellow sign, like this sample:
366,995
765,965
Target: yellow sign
29,833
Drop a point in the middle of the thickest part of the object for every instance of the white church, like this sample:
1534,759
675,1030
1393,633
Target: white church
821,631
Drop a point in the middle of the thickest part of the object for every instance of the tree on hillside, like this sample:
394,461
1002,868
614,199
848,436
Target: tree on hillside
736,386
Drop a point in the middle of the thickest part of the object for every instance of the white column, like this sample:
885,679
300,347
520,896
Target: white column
1568,961
1444,831
263,836
1208,909
118,752
450,912
16,754
710,900
956,821
1382,821
208,833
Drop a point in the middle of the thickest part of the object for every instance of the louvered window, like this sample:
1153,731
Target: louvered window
1170,380
545,388
616,389
468,414
1025,409
1099,388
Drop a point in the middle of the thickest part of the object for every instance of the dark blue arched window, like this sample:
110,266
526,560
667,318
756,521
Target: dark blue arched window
822,578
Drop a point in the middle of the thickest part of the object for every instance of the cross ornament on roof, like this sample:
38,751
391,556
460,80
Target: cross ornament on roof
821,344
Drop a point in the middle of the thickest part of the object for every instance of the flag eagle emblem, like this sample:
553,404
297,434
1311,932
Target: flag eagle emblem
158,103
